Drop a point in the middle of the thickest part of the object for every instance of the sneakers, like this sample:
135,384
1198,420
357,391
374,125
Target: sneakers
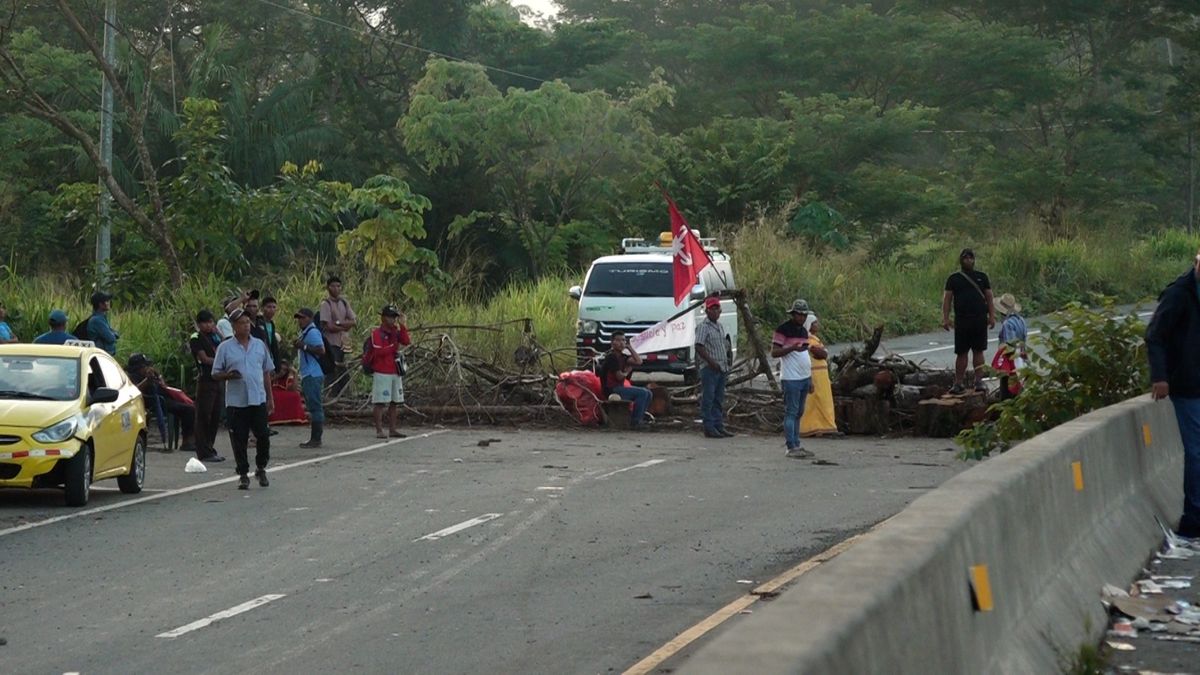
957,389
212,458
725,433
708,433
310,444
799,453
243,482
981,387
261,475
396,434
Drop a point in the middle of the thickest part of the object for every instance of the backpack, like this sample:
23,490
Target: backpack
328,365
81,329
367,353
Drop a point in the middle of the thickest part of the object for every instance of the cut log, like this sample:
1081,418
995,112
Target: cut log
945,417
616,414
926,378
863,416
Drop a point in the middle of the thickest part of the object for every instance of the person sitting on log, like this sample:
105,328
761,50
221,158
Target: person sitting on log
615,369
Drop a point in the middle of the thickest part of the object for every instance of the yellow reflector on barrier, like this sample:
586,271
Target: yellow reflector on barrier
1146,435
1077,469
981,588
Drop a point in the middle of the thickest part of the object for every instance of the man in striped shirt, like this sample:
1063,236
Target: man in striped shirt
713,350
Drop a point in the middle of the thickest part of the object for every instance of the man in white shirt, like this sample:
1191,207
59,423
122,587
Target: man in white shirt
790,345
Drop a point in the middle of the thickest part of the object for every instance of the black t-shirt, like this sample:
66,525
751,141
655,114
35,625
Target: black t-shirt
207,344
610,371
969,301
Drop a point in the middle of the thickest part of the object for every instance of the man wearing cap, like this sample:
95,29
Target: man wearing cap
970,292
387,388
244,365
1173,344
337,319
790,345
154,394
713,349
210,395
57,335
99,330
224,326
312,379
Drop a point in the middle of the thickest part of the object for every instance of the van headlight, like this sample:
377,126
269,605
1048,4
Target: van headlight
586,327
57,433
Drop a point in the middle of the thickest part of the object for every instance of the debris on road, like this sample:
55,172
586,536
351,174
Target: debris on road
1121,646
194,466
643,596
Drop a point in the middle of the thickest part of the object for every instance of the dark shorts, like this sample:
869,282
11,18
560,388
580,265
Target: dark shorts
970,335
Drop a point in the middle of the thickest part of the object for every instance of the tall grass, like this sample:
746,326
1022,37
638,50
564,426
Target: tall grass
852,291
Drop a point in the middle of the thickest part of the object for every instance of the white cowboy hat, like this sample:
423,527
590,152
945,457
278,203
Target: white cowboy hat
1007,304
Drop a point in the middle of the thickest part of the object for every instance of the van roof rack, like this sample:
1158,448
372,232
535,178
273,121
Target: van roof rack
640,245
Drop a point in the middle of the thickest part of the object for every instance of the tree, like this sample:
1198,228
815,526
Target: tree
549,155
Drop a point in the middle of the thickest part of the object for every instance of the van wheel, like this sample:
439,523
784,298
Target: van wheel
79,477
131,483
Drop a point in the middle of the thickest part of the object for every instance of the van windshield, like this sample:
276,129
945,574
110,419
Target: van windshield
631,280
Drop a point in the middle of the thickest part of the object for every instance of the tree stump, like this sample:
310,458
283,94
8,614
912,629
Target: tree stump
945,417
616,414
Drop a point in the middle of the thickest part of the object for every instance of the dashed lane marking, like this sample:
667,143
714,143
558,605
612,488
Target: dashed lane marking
224,614
478,520
211,483
643,465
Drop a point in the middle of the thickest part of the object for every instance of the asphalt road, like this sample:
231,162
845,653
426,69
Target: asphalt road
543,552
936,349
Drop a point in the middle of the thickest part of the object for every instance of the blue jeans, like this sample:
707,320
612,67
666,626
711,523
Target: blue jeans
712,398
310,388
795,393
1187,412
640,396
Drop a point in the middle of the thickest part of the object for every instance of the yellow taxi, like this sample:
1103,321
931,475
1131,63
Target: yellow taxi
69,416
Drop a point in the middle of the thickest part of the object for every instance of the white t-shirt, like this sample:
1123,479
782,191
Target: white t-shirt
793,365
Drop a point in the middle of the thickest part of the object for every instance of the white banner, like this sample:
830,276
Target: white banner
674,334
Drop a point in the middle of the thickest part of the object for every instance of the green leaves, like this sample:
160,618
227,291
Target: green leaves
1091,359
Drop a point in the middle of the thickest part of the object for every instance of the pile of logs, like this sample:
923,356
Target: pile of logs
878,395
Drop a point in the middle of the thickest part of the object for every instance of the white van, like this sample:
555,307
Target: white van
634,290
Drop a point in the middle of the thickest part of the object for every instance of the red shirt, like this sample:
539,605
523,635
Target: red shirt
385,342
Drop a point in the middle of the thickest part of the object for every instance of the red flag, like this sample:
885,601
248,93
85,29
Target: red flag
689,254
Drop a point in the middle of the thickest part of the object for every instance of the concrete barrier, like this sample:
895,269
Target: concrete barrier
901,601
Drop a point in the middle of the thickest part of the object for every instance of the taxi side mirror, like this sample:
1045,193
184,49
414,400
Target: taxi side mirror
103,395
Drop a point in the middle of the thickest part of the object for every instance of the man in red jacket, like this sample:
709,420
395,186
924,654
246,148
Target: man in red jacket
388,384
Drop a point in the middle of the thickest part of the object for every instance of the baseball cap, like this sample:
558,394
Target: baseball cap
138,360
58,317
712,301
389,310
304,312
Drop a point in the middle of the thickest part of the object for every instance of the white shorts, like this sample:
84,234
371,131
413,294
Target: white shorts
387,388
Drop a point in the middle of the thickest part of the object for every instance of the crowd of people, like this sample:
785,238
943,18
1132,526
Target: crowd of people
245,377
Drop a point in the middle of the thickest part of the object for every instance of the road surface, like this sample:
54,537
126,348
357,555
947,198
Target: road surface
543,552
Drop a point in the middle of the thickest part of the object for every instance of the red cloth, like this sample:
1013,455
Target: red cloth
689,254
578,392
384,345
1004,363
289,405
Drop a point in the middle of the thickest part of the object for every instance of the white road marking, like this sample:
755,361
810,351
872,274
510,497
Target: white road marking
649,462
1141,315
459,527
547,488
225,614
213,483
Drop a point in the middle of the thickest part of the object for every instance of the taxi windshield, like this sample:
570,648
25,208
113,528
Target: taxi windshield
39,378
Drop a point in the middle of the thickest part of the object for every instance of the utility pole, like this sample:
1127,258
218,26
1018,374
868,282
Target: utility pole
104,235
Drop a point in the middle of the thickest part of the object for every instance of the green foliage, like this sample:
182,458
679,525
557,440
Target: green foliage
1091,359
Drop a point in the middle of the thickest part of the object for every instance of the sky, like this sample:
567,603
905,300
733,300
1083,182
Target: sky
546,7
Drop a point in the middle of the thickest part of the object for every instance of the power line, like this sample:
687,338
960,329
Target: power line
401,43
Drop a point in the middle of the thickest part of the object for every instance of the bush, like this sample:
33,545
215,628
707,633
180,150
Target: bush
1091,359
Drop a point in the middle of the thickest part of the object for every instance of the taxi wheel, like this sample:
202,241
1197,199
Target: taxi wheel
131,483
79,477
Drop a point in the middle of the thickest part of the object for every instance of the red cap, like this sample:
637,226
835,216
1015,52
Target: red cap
712,301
